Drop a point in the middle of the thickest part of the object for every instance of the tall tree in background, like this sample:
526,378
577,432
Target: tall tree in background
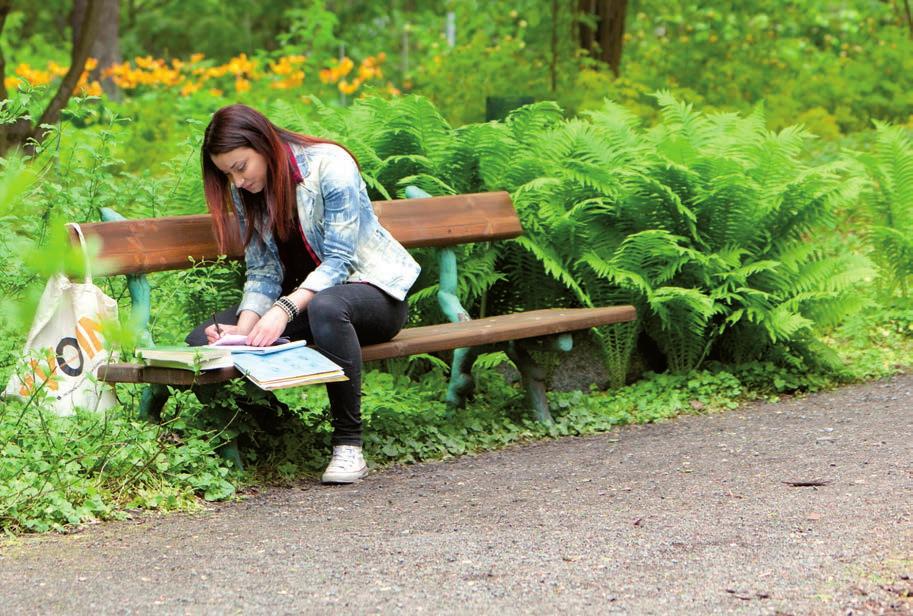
106,47
19,132
602,29
905,13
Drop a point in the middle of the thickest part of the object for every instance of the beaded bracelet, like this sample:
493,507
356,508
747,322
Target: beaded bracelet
288,307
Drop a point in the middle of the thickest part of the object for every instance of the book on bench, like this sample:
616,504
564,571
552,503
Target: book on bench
207,357
287,364
288,368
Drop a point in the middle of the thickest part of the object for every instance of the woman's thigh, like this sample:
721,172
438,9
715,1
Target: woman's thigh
375,316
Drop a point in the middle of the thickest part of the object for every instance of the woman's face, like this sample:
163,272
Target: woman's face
244,167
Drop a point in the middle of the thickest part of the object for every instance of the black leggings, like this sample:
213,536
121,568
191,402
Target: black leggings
338,321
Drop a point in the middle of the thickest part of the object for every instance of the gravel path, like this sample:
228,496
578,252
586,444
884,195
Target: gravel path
691,516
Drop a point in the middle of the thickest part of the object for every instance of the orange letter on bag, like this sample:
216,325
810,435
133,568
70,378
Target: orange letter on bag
88,336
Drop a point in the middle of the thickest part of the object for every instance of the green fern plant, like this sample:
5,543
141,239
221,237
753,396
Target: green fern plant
889,209
704,222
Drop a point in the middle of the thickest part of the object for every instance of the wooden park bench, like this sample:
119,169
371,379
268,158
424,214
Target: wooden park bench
138,247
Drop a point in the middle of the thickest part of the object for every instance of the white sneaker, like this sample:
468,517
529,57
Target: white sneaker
346,466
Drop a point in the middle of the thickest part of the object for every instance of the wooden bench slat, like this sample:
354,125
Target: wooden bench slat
519,325
136,373
411,341
158,244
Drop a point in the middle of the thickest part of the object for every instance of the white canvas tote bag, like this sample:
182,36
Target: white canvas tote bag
65,346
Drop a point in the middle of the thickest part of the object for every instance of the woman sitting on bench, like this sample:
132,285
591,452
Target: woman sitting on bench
319,265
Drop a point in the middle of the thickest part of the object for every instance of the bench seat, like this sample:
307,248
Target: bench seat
411,341
138,247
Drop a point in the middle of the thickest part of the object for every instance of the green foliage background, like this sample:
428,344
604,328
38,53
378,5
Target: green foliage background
747,183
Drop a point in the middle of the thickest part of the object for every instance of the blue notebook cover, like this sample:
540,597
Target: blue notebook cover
283,365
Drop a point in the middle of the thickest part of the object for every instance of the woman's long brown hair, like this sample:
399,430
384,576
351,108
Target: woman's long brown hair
240,126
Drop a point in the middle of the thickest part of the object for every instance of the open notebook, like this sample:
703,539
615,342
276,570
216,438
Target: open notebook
290,364
208,357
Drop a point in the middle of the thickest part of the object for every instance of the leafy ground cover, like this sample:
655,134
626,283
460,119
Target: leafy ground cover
57,473
767,246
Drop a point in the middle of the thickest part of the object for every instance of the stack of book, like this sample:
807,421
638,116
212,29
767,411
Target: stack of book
290,368
288,364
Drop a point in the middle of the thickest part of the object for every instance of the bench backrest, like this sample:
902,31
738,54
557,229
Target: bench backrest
158,244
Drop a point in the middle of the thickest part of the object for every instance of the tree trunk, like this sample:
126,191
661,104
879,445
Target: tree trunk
586,8
553,67
15,133
77,15
106,48
908,14
606,42
613,33
4,11
20,132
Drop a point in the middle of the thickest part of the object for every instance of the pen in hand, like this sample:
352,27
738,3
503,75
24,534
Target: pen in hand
216,323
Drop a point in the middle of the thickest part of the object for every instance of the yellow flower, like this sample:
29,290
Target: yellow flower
194,58
92,89
145,62
282,67
215,91
241,65
56,69
369,71
33,76
242,85
190,87
348,88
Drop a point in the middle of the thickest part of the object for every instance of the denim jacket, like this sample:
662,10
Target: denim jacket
340,225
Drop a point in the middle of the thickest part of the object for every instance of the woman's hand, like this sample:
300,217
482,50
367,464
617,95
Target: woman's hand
212,335
268,328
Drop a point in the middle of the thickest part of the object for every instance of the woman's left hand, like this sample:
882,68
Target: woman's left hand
268,328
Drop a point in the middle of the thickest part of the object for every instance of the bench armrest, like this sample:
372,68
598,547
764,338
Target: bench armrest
447,288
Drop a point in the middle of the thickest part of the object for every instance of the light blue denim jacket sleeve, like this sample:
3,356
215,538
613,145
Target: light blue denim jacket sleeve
340,186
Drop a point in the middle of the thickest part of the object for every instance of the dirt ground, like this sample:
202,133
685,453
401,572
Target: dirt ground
800,507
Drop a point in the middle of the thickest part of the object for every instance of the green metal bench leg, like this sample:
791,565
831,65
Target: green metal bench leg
229,451
152,401
462,383
533,376
207,395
